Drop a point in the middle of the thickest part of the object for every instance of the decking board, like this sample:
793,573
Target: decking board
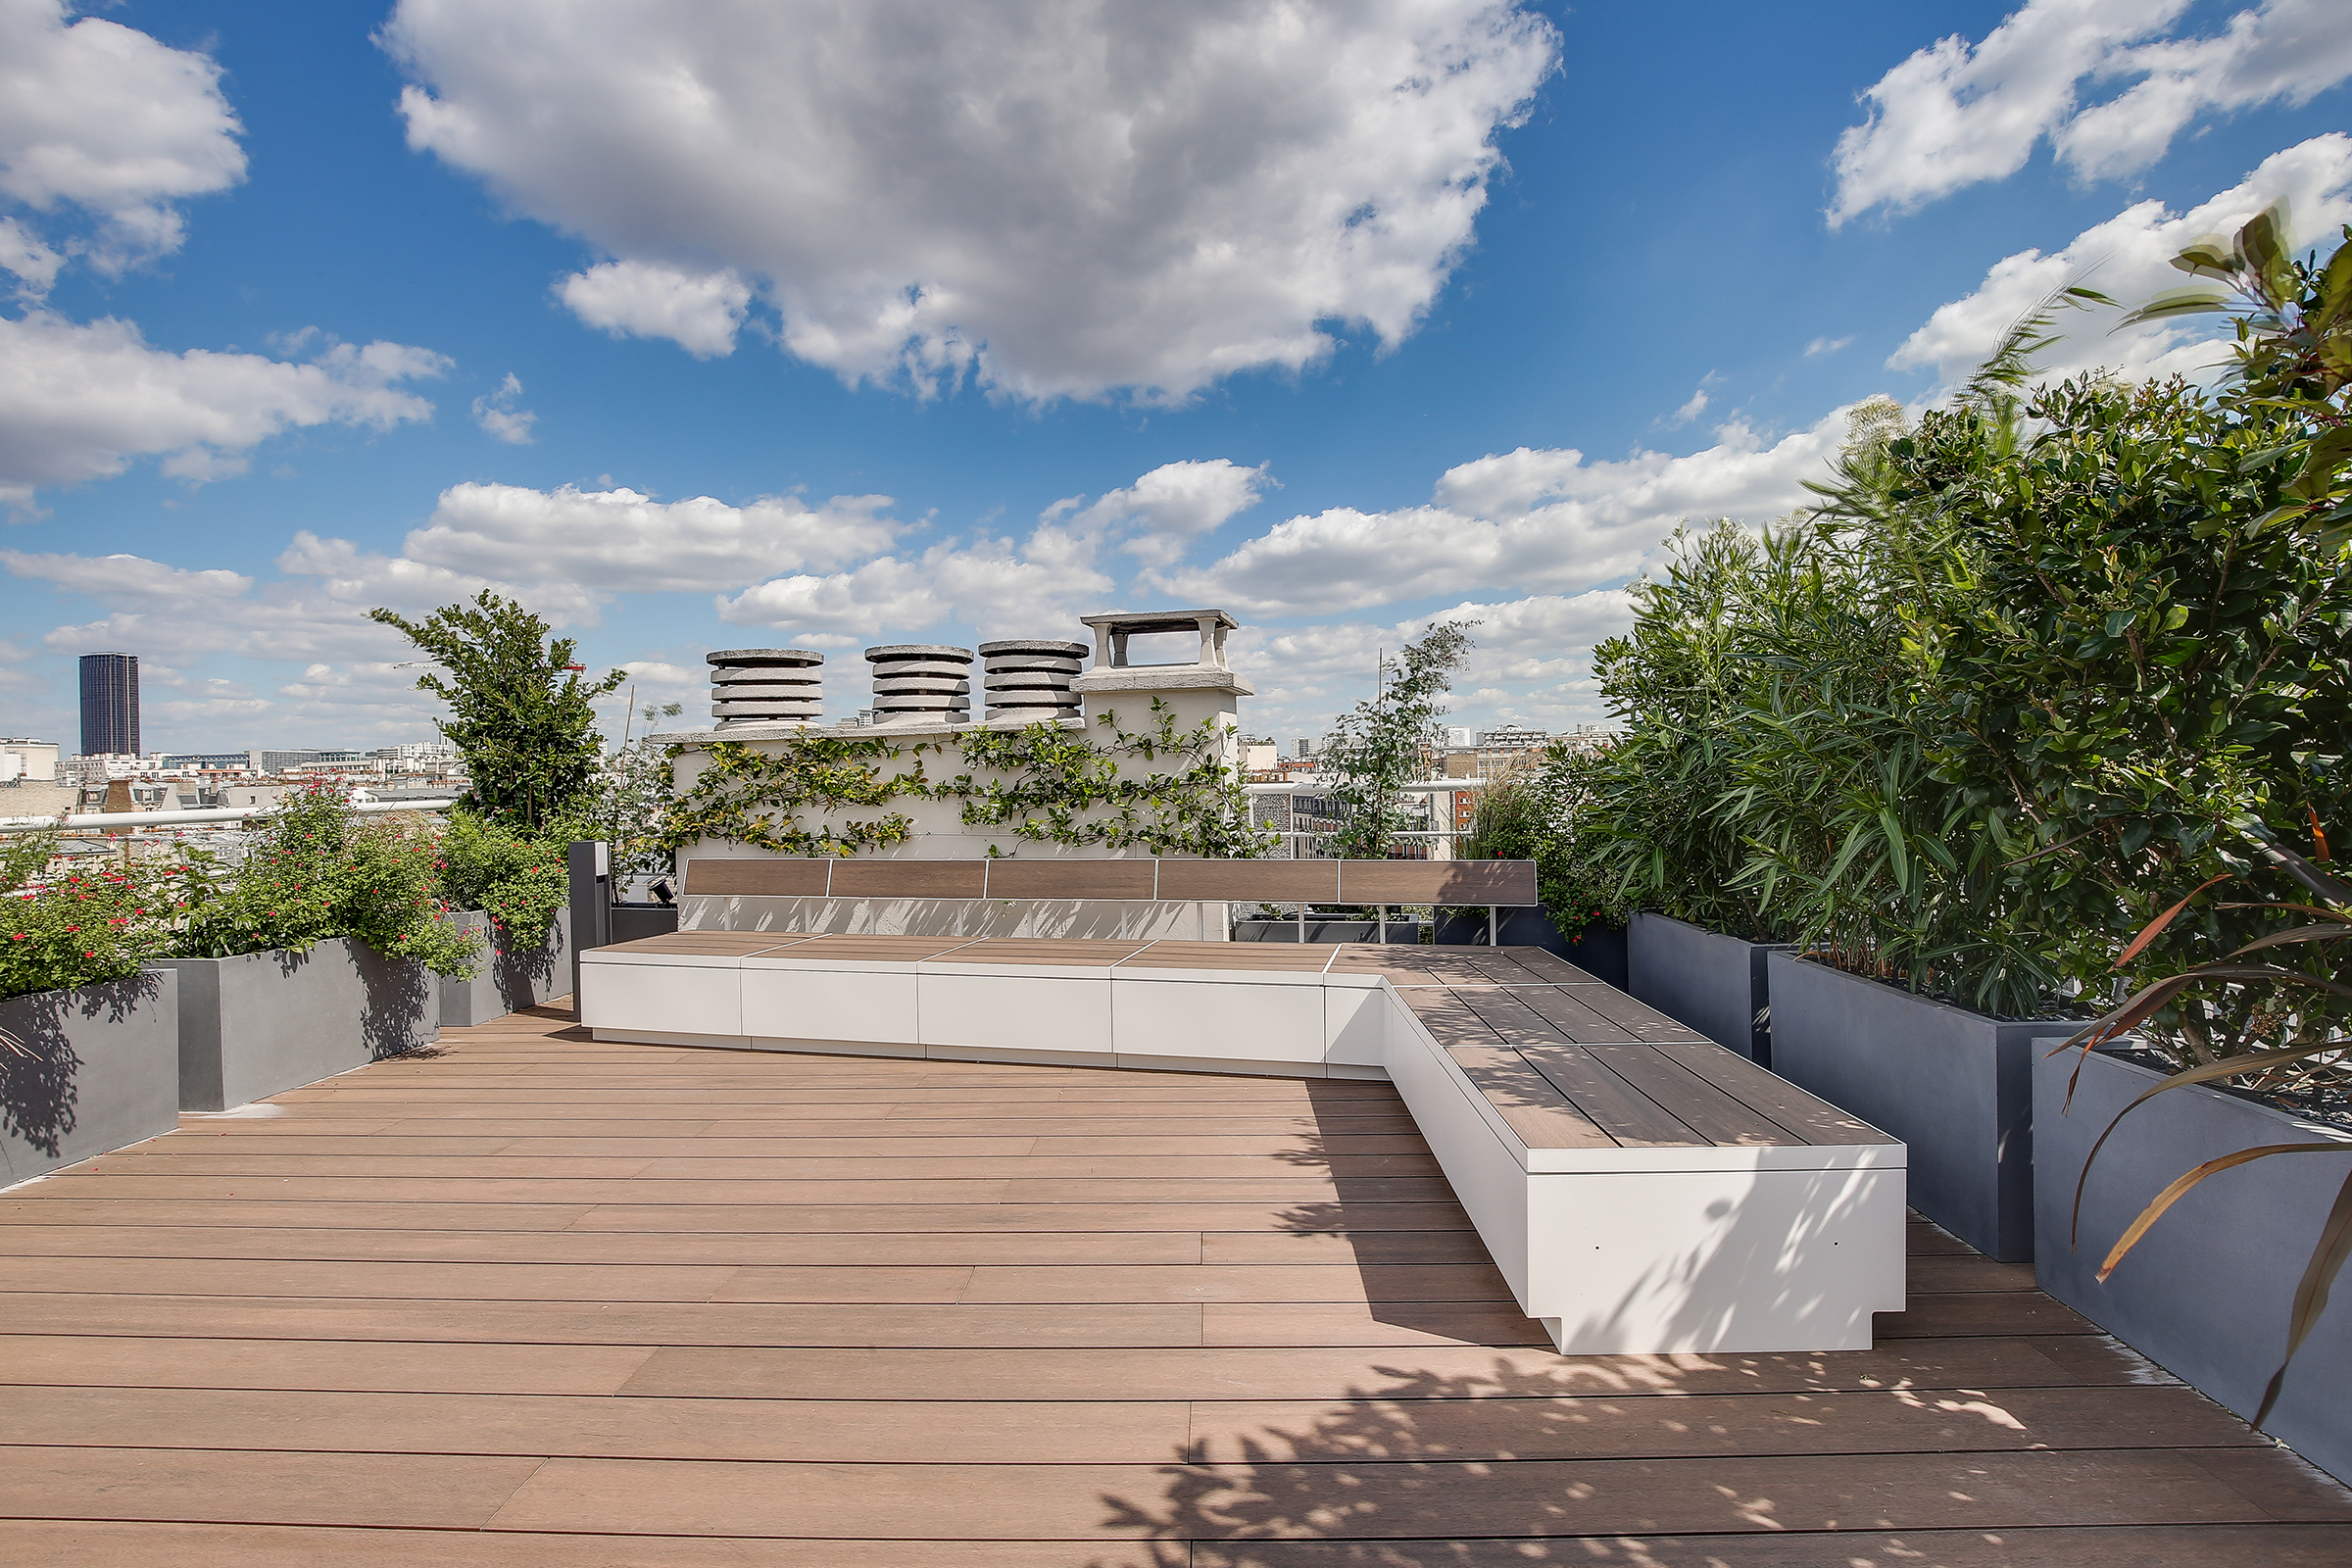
353,1334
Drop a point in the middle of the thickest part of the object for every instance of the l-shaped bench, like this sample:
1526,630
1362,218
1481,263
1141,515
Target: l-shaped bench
1641,1188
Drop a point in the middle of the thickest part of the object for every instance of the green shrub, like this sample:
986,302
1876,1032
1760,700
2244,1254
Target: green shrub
519,879
78,928
315,870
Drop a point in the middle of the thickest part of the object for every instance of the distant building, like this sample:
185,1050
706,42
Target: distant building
25,761
110,703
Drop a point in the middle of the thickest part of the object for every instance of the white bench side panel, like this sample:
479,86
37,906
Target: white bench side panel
1216,1018
1483,1171
782,1003
1017,1012
674,999
1356,1024
1657,1262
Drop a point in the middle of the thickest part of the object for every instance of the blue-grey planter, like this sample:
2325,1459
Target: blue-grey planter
101,1071
513,974
262,1022
2205,1293
1718,985
1401,933
1955,1086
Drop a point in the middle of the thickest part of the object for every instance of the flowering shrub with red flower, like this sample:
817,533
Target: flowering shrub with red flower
517,877
75,926
315,870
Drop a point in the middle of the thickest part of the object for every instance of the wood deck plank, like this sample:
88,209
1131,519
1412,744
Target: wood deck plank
767,1311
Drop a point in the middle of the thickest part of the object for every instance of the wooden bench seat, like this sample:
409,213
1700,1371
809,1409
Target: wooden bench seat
1641,1188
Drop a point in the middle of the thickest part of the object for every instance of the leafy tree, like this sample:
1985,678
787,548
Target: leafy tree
1382,743
521,716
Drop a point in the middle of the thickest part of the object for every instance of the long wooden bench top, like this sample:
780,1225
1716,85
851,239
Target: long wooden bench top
1511,883
1566,1060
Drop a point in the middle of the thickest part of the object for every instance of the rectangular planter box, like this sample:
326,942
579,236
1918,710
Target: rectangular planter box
1956,1086
104,1072
2205,1293
1718,985
513,975
1401,933
262,1022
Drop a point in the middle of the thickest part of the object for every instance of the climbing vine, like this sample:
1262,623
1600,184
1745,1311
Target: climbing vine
1043,783
748,797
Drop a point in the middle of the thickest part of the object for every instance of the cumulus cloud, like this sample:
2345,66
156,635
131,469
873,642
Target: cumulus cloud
2129,257
1060,198
700,312
100,118
1161,513
1536,519
616,540
80,400
498,416
1953,114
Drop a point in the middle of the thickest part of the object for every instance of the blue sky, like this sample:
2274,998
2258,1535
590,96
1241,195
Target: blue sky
1339,317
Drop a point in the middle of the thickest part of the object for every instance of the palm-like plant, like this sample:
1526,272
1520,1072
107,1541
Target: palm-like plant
2310,1002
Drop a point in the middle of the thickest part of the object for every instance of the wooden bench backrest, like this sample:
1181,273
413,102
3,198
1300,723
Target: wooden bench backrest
1511,883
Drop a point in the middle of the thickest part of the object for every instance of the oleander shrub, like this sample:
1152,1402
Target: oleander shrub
315,870
77,926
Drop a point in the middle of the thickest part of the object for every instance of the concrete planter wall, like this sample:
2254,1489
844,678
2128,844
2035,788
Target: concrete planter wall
262,1022
513,974
1956,1086
2205,1293
103,1071
1718,985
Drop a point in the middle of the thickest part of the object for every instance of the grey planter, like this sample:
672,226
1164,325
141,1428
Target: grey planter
1955,1086
513,975
103,1071
1401,933
2205,1293
1718,985
262,1022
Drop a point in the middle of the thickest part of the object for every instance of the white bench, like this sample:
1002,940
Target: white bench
1641,1189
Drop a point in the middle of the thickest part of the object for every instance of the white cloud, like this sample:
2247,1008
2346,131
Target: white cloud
1001,588
1060,198
1951,116
496,413
619,540
1162,512
700,312
1697,405
1827,345
79,402
2129,257
363,579
96,116
1536,519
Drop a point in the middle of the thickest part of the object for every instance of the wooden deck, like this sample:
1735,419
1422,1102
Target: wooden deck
538,1301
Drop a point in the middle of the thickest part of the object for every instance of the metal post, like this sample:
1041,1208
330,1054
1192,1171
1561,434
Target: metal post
590,863
1380,912
1302,925
1494,935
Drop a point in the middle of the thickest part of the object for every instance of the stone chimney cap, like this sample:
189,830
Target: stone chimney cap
1136,622
918,650
765,655
1035,645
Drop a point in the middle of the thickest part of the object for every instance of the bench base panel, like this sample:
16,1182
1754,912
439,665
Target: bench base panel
1044,1058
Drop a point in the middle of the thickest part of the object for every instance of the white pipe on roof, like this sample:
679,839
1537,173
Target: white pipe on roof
176,819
